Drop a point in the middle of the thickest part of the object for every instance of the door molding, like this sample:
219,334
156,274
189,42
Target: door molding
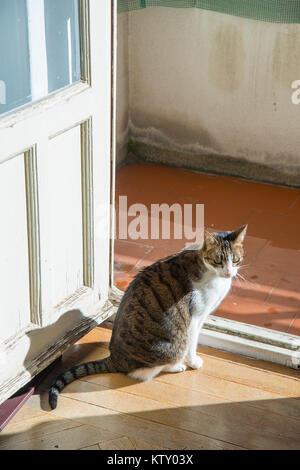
39,107
33,231
86,135
85,45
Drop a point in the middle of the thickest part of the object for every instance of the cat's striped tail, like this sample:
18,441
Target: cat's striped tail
77,372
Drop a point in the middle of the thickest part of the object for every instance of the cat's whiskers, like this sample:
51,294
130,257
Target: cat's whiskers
240,284
247,280
243,266
239,279
242,277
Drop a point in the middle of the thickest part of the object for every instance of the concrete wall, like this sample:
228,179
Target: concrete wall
122,117
211,91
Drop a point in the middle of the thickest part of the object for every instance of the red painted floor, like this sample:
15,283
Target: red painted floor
270,294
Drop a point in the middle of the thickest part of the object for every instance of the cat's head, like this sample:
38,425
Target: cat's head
223,252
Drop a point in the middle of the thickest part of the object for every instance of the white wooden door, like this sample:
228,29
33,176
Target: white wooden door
54,179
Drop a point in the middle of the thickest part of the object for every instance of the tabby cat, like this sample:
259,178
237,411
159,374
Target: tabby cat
159,318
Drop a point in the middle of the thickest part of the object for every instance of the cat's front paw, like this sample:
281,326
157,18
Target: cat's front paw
195,362
180,367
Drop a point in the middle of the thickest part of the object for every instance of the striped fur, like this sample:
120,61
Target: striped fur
77,372
152,329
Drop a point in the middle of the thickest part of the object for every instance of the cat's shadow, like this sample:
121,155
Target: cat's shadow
77,354
58,335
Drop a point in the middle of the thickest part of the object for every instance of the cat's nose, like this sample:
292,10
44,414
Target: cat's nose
228,274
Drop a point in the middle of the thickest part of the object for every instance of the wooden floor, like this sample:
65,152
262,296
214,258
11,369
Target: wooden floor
231,403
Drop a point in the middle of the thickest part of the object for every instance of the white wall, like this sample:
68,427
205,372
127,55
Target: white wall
204,83
122,117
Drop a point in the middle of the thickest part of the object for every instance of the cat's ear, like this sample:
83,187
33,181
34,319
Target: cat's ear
237,236
208,239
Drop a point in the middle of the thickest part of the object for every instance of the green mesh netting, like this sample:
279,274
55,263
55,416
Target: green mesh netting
275,11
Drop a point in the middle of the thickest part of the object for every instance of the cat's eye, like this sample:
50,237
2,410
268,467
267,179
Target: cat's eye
218,260
236,259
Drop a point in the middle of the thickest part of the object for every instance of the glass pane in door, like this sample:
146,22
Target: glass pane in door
39,49
63,45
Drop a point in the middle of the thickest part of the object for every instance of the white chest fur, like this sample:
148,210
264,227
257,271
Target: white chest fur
208,294
206,297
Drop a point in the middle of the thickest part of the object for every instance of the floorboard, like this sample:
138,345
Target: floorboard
231,403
